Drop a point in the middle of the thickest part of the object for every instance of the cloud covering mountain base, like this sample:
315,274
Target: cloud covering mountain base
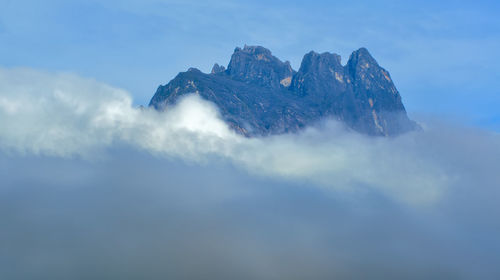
95,188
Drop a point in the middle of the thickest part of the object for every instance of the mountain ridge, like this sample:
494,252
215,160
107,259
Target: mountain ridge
258,94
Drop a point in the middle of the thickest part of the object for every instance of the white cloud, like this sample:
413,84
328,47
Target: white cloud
65,115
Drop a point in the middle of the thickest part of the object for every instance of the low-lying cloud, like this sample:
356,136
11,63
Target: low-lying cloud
64,115
95,188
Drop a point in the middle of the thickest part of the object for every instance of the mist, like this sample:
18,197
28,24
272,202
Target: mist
94,188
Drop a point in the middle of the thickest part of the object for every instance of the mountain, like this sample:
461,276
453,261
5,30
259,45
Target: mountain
258,94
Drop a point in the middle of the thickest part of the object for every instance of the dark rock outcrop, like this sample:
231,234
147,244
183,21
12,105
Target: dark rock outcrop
259,94
217,69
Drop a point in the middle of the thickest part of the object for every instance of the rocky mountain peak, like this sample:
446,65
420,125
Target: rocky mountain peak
256,50
259,94
313,61
257,65
217,69
361,61
368,76
319,75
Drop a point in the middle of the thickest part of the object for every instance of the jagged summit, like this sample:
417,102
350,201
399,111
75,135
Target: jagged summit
257,65
313,57
361,55
258,94
253,50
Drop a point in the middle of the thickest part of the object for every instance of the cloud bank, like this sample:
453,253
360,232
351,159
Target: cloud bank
94,188
67,116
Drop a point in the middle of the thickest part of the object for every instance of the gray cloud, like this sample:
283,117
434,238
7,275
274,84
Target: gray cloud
134,215
93,188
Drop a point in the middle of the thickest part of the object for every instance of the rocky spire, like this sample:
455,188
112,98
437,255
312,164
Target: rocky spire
256,65
373,82
376,95
217,69
319,74
361,57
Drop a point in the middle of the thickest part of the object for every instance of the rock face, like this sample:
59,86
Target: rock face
259,94
257,66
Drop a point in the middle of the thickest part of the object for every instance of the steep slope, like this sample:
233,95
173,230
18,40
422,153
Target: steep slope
259,94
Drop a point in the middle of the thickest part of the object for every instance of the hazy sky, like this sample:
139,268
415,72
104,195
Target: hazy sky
441,54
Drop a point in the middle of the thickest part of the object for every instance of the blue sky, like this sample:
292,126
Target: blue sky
443,55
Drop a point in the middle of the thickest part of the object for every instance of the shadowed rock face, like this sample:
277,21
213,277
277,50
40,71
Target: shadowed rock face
259,94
